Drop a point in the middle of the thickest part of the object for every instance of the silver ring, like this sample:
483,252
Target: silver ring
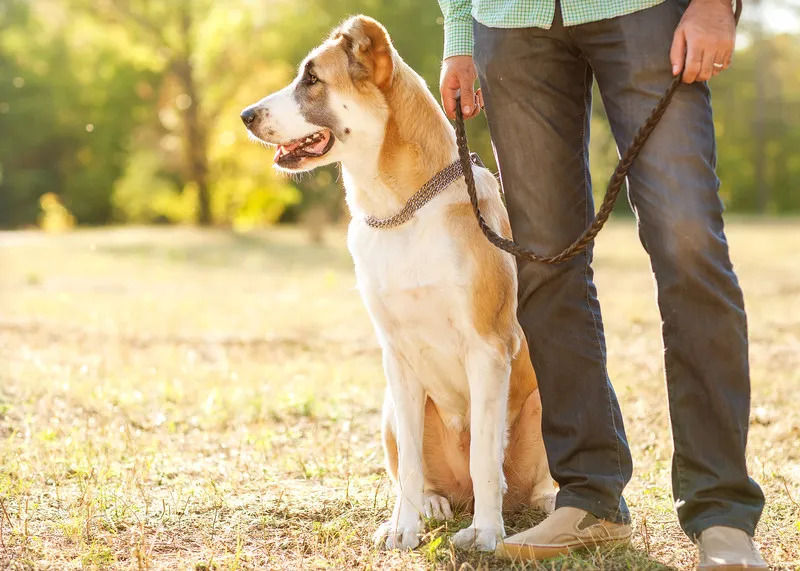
719,65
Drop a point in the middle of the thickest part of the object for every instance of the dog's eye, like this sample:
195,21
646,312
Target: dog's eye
311,79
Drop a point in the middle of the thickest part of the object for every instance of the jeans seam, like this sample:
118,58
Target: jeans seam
677,441
586,278
577,501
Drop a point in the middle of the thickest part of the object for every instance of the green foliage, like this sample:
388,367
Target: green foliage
144,194
68,133
54,217
127,110
757,110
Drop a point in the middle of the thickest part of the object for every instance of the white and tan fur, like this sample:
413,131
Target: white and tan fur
461,416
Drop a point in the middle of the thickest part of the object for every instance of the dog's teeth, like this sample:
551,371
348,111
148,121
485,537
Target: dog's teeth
308,139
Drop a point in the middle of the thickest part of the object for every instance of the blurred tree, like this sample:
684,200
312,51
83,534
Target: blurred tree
128,109
205,53
757,118
51,110
168,33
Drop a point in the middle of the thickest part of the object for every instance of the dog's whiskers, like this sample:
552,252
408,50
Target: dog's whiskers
256,139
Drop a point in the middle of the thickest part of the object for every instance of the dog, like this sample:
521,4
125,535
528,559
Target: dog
462,414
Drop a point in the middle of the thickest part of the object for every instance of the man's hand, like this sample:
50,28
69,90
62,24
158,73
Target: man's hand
458,72
704,37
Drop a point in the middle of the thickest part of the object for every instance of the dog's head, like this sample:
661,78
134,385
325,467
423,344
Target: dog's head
335,105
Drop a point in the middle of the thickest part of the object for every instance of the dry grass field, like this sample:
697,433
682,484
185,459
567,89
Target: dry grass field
174,398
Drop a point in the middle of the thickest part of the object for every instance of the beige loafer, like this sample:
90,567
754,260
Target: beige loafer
728,549
566,529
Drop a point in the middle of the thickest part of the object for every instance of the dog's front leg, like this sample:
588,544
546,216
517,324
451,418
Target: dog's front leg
488,376
404,529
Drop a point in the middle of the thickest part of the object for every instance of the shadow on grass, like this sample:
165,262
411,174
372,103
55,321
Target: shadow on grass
335,529
617,557
226,248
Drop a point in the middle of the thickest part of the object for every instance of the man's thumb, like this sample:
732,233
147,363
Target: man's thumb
467,96
677,53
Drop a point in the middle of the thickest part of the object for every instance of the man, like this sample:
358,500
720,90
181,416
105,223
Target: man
536,60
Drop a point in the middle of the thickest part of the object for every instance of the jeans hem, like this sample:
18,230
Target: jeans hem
593,507
694,529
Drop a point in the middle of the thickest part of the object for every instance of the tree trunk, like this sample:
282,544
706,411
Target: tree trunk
759,113
195,130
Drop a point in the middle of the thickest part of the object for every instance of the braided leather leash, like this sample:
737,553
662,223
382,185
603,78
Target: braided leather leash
612,190
440,181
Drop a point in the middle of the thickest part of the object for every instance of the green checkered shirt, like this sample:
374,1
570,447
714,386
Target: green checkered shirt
458,16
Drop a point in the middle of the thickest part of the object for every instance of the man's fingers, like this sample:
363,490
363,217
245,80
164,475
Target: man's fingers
726,60
677,53
449,101
694,63
707,67
718,63
475,103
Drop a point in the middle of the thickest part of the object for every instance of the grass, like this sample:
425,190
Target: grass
176,398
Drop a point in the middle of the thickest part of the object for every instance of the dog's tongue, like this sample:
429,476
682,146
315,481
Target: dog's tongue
315,148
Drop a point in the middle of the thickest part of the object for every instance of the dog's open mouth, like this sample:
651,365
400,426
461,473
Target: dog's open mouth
314,145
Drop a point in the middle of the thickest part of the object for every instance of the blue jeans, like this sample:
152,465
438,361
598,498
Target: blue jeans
537,88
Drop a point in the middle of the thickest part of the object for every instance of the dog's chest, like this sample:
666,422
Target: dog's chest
416,287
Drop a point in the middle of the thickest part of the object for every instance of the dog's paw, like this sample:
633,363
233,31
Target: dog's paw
544,502
483,539
394,536
437,506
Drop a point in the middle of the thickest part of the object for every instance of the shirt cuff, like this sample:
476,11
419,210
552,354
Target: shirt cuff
458,36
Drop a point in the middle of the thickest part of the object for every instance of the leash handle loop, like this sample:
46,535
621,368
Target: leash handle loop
612,190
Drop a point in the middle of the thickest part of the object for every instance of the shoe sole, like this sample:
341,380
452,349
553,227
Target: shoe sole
526,552
732,567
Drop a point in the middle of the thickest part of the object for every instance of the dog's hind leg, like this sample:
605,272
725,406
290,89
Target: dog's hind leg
488,375
526,467
445,452
437,506
388,431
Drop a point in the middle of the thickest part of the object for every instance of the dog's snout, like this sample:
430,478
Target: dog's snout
248,116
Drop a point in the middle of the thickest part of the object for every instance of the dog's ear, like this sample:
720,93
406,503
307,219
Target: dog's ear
369,50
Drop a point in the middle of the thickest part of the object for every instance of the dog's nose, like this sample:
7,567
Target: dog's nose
248,116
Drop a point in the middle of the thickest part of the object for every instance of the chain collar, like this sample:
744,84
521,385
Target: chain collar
440,181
